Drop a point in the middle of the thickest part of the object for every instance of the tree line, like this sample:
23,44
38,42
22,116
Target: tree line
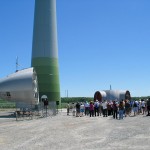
83,99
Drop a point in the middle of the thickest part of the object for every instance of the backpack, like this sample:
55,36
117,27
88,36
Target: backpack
135,104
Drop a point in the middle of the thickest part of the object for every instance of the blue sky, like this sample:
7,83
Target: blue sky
101,42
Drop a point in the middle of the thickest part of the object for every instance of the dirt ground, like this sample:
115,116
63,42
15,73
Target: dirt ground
63,132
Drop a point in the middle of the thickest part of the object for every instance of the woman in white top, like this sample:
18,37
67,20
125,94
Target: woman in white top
143,106
104,105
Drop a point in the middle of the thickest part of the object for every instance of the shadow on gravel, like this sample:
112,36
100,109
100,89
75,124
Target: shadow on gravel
146,116
8,116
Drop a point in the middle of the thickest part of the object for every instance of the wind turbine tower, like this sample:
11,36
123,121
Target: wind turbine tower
45,49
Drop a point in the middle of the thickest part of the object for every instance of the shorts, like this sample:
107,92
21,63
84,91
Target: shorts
135,109
81,110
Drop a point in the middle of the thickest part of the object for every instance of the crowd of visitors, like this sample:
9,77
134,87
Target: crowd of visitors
117,109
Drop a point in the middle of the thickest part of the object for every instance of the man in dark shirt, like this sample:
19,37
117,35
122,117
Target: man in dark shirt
77,109
148,107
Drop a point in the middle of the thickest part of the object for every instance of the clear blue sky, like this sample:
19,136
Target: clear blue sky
101,42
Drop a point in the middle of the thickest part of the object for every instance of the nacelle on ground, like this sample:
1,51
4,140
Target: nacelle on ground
112,95
20,87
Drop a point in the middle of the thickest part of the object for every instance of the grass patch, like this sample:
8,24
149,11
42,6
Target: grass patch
6,104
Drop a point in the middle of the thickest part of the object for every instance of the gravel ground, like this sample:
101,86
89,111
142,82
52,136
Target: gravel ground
64,132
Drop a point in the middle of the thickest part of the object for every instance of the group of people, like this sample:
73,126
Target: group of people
118,109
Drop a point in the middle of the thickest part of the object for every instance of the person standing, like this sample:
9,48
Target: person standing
68,108
73,109
96,108
104,105
100,108
135,108
109,108
91,109
143,106
127,108
86,106
81,110
77,109
139,107
115,110
121,110
148,107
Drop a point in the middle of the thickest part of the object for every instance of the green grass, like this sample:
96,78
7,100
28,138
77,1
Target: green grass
6,104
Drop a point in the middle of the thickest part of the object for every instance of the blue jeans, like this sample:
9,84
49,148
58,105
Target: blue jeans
121,114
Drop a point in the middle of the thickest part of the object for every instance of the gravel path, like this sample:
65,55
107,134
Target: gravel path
64,132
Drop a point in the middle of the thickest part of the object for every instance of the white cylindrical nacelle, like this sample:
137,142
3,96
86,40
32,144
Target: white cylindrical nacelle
21,87
112,95
100,96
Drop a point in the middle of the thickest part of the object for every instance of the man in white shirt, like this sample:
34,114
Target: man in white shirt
86,105
104,105
96,108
